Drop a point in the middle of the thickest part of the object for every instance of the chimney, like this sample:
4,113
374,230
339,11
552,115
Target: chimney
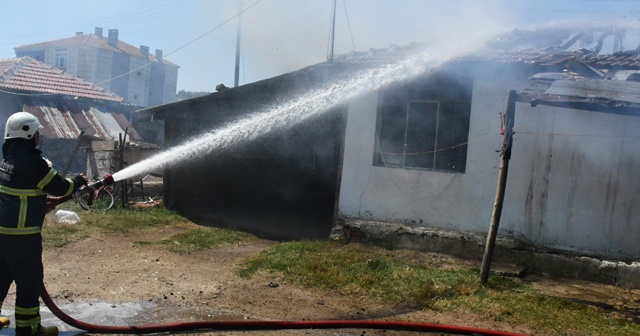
79,33
113,38
144,50
159,55
98,32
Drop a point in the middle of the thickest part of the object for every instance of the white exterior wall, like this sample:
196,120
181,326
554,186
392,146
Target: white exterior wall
50,56
576,193
84,65
139,81
102,68
170,84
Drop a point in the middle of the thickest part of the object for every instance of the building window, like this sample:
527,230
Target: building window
428,134
61,59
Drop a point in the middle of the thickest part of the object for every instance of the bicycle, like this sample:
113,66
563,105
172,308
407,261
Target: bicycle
102,199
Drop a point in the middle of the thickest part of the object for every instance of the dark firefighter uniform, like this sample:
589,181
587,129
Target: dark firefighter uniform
25,181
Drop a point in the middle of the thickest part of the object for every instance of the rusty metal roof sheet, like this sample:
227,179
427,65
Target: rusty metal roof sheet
30,75
64,117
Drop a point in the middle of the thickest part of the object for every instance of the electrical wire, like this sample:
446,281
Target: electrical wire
349,24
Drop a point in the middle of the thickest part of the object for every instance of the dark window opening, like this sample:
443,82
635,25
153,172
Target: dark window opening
424,127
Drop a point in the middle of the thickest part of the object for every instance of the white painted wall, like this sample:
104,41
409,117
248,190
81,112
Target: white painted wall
170,84
571,180
139,81
102,75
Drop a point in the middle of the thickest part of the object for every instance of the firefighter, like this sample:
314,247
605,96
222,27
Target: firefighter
25,181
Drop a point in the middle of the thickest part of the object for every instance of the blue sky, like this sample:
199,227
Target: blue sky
284,35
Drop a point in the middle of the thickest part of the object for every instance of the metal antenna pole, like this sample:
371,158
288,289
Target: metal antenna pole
236,78
333,33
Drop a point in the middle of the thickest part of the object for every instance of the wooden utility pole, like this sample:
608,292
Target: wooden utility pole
122,142
502,184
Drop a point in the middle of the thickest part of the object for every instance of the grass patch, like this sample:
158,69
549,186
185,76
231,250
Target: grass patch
360,270
377,274
115,220
201,239
131,220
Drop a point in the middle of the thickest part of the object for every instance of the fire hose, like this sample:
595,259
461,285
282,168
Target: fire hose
245,325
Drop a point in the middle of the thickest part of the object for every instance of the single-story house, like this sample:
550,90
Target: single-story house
413,161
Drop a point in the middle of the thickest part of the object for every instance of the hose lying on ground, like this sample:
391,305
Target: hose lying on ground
265,325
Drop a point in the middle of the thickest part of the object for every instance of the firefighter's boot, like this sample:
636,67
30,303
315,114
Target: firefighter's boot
39,331
47,331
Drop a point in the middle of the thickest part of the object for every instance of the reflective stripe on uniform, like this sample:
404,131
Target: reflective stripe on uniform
27,311
22,215
28,317
20,231
24,195
28,323
71,187
21,192
47,178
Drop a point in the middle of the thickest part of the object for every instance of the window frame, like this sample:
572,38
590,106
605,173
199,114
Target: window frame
453,111
61,58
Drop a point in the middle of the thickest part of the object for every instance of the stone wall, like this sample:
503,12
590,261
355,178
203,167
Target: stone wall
507,251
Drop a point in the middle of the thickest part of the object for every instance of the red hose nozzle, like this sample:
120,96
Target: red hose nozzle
106,180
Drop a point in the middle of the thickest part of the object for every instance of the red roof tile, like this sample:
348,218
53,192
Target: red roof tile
28,74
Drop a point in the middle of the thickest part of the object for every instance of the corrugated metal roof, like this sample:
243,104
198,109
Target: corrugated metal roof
28,74
65,117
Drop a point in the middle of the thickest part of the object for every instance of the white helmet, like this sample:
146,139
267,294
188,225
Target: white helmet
21,125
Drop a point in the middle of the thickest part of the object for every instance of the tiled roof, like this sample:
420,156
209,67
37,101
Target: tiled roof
91,40
28,74
629,59
546,46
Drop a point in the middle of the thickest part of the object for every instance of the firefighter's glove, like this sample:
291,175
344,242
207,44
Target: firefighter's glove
79,181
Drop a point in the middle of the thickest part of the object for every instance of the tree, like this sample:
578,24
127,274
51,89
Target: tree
182,94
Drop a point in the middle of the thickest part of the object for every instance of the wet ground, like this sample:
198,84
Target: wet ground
123,314
101,313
